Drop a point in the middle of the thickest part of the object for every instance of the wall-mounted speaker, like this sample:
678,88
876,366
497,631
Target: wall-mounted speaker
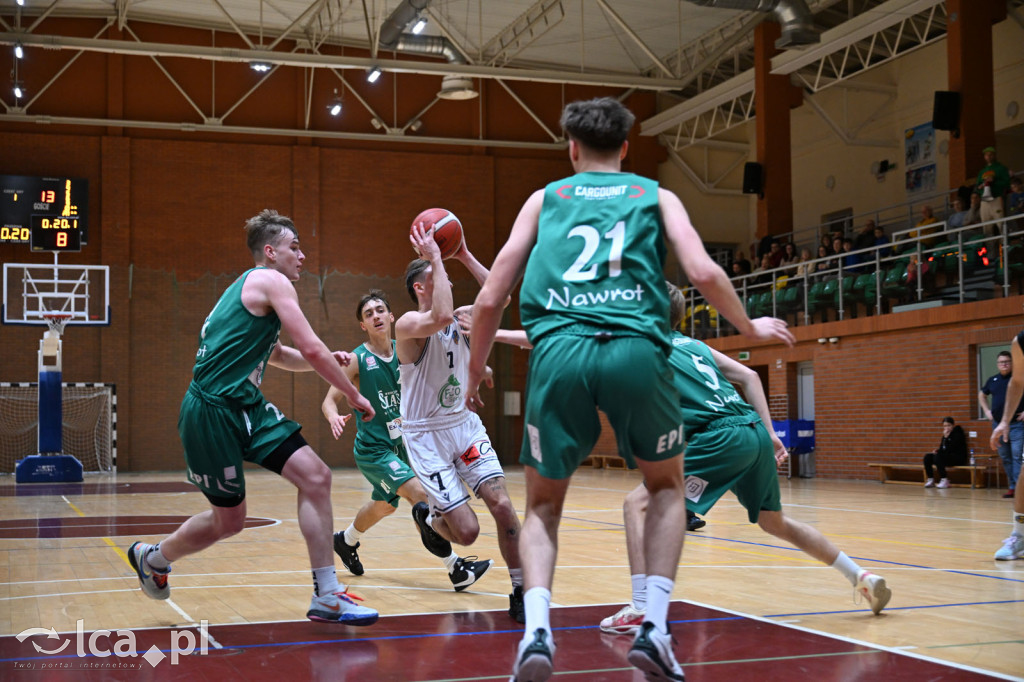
753,178
946,111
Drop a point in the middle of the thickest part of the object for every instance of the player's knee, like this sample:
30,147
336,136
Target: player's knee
635,502
316,480
466,532
385,509
231,523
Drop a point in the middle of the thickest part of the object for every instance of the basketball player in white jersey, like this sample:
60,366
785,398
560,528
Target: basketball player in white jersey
448,447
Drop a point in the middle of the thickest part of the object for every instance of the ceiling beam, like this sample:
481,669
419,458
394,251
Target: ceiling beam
221,54
394,136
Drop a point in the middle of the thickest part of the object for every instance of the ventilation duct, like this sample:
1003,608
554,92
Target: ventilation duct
796,20
393,37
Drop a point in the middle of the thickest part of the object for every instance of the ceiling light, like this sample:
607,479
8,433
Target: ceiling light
260,67
457,88
420,24
335,105
373,74
21,3
19,51
376,123
18,91
415,125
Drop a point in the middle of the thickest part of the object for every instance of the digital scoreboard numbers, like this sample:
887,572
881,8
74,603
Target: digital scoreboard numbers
48,214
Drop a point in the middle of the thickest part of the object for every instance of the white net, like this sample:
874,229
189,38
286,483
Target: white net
88,425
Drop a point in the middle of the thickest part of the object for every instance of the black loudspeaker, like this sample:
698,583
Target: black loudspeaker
946,112
753,178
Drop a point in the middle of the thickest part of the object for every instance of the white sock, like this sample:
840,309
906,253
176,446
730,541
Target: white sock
352,535
449,563
516,575
639,581
537,604
659,594
847,567
325,581
156,560
1018,525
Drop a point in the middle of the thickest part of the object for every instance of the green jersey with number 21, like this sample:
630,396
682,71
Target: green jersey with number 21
598,259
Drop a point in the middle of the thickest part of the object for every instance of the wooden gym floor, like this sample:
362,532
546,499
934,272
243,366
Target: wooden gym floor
749,607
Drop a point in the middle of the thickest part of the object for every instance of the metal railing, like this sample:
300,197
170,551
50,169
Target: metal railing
981,250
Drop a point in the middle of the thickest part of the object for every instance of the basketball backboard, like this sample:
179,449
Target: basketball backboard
34,290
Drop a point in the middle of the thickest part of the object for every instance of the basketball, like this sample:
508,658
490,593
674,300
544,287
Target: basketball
444,226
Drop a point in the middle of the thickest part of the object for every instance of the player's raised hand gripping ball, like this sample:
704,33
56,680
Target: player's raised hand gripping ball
445,228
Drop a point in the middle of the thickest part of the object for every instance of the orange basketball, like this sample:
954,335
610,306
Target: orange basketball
444,226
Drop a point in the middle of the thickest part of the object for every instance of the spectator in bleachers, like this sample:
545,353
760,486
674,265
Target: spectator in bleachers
775,254
993,183
1015,201
789,258
804,268
824,263
742,263
882,238
958,216
952,452
974,212
763,276
837,246
851,261
826,241
928,224
866,237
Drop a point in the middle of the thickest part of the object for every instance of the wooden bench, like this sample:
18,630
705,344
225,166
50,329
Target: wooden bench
898,473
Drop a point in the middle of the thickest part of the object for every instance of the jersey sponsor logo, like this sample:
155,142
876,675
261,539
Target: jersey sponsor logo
668,440
450,393
389,400
470,456
371,362
589,298
588,193
694,487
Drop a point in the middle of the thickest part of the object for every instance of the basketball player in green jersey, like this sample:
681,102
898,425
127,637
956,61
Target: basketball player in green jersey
729,446
225,421
594,305
379,452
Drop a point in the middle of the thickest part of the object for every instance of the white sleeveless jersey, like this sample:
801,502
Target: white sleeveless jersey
433,385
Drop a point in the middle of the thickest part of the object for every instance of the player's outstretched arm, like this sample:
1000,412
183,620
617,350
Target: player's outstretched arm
507,270
1014,391
708,276
750,382
511,337
417,324
280,295
333,398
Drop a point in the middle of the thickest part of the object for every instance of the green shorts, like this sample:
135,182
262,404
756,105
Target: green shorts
572,376
386,470
736,454
219,437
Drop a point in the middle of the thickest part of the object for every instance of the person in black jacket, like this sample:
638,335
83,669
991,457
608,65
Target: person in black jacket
952,451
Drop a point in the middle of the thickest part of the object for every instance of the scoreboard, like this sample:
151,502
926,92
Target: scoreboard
48,214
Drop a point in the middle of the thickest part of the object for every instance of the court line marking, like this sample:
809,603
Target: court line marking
124,557
850,640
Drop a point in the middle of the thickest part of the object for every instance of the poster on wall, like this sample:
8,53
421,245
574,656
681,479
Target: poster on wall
919,158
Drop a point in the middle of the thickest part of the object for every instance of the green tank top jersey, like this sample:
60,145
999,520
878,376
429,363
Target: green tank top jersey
378,382
598,259
705,394
234,347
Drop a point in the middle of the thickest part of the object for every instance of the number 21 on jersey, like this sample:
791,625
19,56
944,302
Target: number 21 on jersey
591,242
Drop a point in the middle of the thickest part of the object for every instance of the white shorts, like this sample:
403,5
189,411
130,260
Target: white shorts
450,454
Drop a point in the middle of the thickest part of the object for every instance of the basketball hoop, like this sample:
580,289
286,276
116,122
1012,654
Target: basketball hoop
56,322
